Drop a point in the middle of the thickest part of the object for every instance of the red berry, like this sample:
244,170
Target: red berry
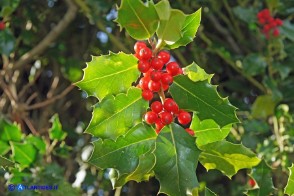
159,125
276,32
157,63
164,86
184,118
166,117
143,66
154,86
170,105
164,56
145,53
190,131
172,68
156,106
166,79
143,83
150,117
155,75
180,71
2,25
278,22
251,182
138,46
147,95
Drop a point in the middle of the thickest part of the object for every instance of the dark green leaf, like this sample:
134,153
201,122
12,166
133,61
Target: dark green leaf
254,64
125,153
289,189
56,131
139,20
169,31
196,73
176,161
113,116
202,97
227,157
25,154
208,192
207,131
287,29
189,29
5,162
7,42
263,177
109,74
247,15
9,132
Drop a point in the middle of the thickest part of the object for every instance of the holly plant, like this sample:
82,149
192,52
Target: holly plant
156,117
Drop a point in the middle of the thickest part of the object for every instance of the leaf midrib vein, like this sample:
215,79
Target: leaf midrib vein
139,18
177,167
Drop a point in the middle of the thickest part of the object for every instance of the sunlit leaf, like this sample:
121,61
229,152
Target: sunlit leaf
289,189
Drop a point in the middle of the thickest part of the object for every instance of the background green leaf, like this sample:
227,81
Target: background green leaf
188,30
124,154
113,116
254,64
25,154
109,74
262,175
176,161
139,20
207,131
4,147
9,132
196,73
202,97
263,106
7,42
227,157
289,189
56,131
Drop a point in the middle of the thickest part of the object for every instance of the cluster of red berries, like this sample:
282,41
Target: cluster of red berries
2,25
270,24
155,77
158,75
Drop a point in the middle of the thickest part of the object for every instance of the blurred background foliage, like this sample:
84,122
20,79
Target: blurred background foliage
45,46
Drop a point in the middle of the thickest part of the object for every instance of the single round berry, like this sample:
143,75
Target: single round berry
159,125
143,66
145,53
143,83
278,22
164,86
147,95
150,117
166,79
251,182
190,131
180,71
172,68
154,86
166,118
156,106
157,63
155,75
170,105
184,118
2,25
164,56
138,46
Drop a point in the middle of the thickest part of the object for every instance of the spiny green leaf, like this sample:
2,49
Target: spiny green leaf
196,73
123,154
113,116
207,131
163,9
5,162
25,154
109,74
9,131
139,20
227,157
38,142
189,29
289,189
202,97
142,172
56,132
176,161
263,177
4,147
169,31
